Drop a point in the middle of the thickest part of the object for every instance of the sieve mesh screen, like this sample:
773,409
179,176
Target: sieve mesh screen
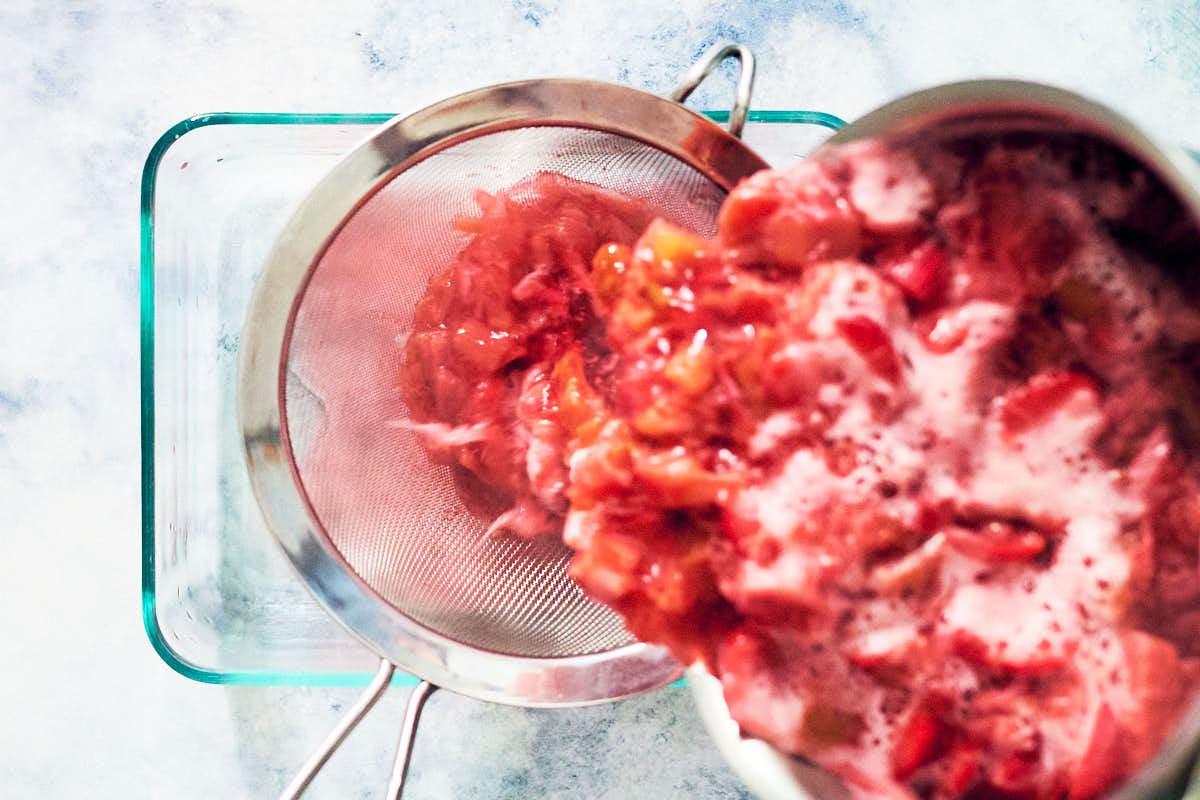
392,514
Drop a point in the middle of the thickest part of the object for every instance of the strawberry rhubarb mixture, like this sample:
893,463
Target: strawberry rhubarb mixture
905,455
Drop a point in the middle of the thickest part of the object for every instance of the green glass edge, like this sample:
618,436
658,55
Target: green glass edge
794,117
149,175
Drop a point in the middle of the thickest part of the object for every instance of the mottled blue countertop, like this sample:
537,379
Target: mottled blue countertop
87,88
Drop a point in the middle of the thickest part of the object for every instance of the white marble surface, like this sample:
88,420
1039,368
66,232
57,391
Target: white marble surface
86,88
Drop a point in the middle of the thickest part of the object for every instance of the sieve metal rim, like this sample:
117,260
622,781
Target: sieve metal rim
398,145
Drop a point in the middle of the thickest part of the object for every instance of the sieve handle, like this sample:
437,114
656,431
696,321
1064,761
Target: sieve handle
411,713
379,683
704,67
383,676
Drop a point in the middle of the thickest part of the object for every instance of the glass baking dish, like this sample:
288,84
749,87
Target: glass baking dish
219,601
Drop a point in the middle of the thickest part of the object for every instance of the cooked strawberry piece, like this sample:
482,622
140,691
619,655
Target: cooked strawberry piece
1101,762
746,209
919,271
808,220
871,342
919,741
962,771
1000,656
786,377
1038,398
1155,685
800,236
941,332
996,541
1014,775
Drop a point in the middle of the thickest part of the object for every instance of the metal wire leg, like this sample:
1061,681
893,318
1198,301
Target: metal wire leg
411,714
317,760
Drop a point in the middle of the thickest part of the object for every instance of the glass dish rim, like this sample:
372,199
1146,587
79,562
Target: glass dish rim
172,658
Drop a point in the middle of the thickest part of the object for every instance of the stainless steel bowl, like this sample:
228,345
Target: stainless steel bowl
954,110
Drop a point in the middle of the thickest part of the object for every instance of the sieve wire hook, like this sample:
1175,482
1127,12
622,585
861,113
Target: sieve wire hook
705,66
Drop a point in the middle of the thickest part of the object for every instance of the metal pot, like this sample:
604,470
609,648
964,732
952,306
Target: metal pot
958,109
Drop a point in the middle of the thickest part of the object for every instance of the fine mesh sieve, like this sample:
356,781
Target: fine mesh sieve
371,525
394,518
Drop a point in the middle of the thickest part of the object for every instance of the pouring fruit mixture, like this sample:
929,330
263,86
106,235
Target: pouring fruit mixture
904,455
